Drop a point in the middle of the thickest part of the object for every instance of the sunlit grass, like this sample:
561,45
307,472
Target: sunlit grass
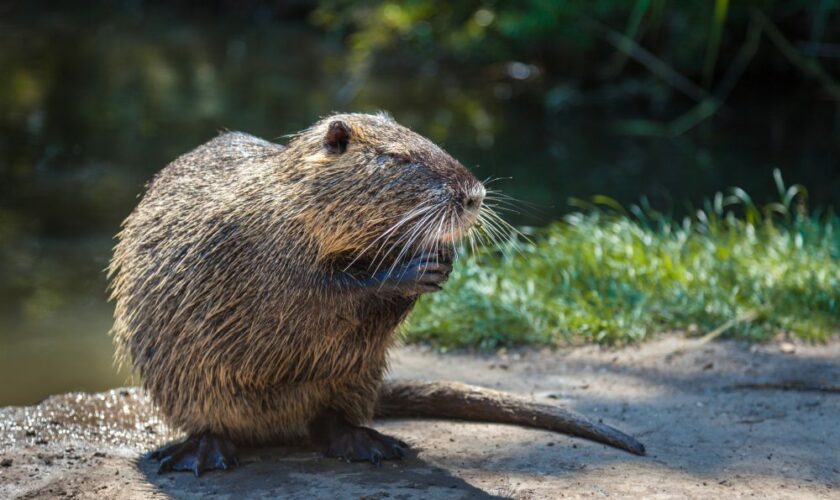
610,276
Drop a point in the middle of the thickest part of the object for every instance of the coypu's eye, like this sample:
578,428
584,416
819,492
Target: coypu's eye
403,160
391,160
337,137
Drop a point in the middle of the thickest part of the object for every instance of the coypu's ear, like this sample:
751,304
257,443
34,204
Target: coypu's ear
338,135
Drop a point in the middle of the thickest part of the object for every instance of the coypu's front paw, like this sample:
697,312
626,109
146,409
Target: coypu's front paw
425,273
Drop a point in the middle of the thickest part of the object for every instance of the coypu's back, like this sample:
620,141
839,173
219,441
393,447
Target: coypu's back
195,270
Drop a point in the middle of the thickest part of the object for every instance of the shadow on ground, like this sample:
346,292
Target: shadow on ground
291,473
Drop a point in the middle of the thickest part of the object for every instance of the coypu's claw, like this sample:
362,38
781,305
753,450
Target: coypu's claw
197,453
355,444
425,273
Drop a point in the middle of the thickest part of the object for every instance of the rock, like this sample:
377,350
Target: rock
787,347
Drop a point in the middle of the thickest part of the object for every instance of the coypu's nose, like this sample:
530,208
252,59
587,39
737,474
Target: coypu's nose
473,198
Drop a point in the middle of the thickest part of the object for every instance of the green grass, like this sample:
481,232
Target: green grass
609,276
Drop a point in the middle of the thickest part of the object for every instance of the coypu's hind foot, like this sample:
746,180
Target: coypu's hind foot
355,443
197,453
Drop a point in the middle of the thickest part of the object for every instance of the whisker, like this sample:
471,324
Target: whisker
503,208
502,233
494,195
384,239
492,179
411,236
409,244
504,224
410,215
381,260
492,233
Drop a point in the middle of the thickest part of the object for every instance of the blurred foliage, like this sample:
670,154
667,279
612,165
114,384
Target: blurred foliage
94,101
565,35
96,96
614,276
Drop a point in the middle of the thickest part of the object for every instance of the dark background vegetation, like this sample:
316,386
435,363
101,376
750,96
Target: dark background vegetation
660,99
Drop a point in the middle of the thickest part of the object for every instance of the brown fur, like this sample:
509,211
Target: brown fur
226,298
218,274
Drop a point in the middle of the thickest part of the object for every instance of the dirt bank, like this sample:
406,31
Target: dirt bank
719,420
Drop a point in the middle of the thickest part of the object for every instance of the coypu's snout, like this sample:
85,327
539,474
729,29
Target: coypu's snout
466,208
468,201
474,197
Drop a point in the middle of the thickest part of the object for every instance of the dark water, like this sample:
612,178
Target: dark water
93,103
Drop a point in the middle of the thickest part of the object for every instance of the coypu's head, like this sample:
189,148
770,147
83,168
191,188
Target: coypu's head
369,189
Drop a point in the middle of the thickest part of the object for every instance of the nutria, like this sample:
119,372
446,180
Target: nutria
259,286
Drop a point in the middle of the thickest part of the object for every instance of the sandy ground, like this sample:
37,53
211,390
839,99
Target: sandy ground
707,435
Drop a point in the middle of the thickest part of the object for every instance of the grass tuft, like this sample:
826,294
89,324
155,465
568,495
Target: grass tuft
612,276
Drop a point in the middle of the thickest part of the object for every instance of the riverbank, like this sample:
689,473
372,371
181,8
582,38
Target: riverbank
722,419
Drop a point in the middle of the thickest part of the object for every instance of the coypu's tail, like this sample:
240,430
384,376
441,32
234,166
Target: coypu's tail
458,401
